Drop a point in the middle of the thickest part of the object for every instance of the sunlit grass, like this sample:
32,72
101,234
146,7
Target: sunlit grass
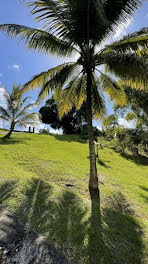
44,179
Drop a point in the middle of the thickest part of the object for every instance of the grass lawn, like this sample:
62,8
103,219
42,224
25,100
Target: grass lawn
44,180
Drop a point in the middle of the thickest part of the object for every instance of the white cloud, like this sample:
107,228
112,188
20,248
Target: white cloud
1,75
126,124
14,67
56,131
40,126
99,128
2,97
33,106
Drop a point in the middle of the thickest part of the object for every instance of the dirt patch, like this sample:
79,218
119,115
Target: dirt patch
21,246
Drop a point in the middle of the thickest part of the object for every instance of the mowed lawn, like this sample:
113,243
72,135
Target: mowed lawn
44,180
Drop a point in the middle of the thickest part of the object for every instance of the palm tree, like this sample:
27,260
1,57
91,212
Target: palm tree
80,27
15,112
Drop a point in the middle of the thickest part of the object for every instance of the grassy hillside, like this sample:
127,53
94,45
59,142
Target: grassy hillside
44,180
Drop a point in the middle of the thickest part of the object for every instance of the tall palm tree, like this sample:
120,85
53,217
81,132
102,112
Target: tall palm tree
80,27
15,113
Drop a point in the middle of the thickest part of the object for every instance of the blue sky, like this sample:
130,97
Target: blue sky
18,65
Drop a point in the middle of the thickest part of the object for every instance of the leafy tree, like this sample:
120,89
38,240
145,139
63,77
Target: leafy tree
141,120
136,107
74,26
15,113
109,125
137,100
129,139
72,123
110,121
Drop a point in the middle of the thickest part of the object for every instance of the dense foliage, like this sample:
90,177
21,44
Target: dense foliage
72,123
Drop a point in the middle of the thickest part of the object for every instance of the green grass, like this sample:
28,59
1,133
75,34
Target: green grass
3,130
44,180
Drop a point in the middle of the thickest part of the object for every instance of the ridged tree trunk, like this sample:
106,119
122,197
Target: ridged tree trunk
93,180
11,130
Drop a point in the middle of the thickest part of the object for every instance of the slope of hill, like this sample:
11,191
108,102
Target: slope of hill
44,179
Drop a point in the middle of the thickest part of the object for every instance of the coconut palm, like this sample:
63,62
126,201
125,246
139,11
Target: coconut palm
79,27
14,112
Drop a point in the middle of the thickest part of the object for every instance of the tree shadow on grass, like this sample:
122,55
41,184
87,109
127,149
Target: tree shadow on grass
144,188
71,138
123,233
108,236
35,209
102,163
140,160
145,196
60,220
96,248
6,190
35,212
12,141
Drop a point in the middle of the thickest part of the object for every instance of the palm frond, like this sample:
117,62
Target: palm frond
25,99
28,119
135,83
58,80
52,14
4,113
134,41
127,66
113,90
4,118
28,107
37,39
68,97
41,79
80,92
99,109
118,12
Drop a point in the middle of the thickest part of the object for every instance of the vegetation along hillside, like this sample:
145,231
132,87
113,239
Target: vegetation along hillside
44,180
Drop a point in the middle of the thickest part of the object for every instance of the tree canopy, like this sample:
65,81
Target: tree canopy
72,123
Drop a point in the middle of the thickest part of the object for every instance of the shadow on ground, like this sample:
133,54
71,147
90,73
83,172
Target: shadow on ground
145,195
12,141
7,188
102,163
140,160
71,138
109,236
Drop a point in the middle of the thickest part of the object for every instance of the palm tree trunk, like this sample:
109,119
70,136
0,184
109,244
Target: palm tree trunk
93,180
11,130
